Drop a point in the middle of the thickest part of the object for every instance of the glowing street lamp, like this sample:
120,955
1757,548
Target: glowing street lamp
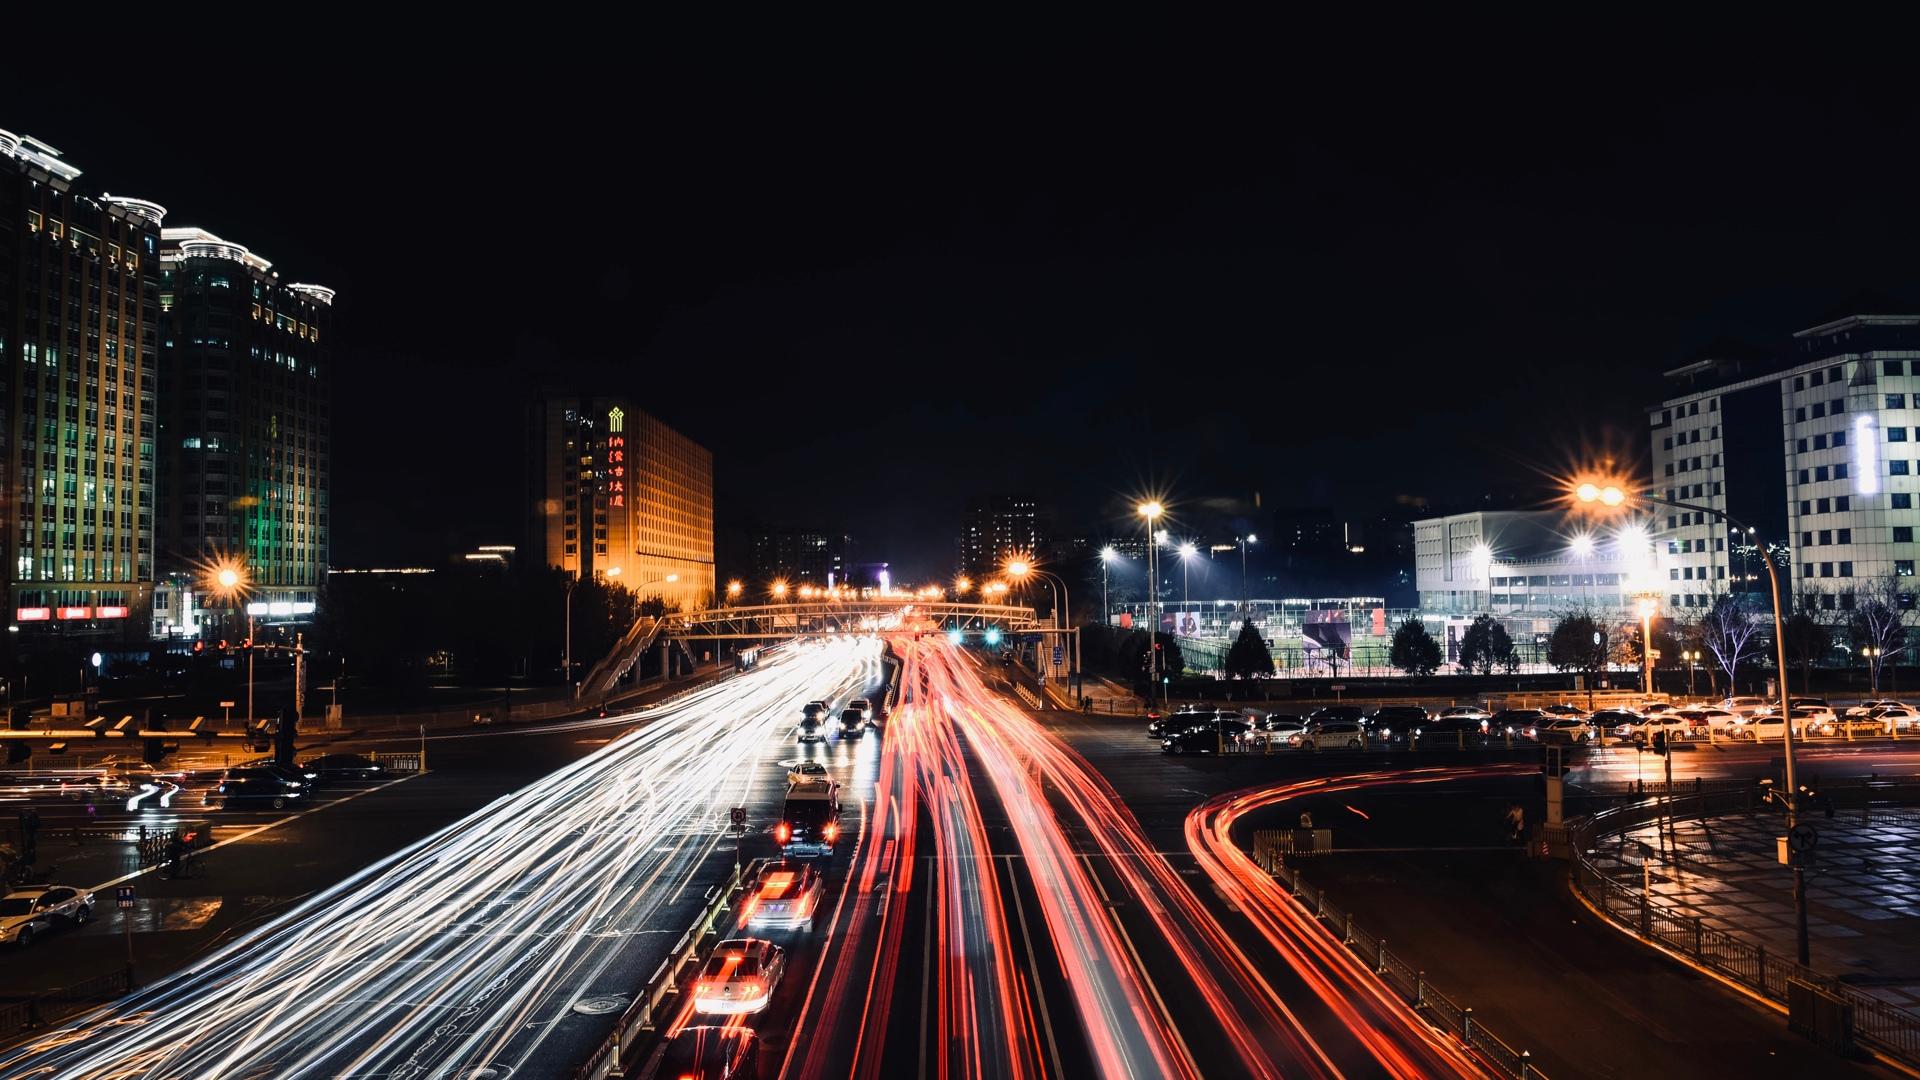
779,590
734,589
1107,557
1186,552
1152,510
961,584
1605,494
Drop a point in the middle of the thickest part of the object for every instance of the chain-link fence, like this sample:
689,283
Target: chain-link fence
1632,908
1409,982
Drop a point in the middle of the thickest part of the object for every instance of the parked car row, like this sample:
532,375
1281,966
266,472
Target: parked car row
30,911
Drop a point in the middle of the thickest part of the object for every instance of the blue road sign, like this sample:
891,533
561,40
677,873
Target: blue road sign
124,895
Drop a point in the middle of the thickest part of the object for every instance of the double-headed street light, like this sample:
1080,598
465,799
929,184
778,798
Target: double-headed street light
1692,657
1063,612
1107,557
1873,654
1604,495
230,581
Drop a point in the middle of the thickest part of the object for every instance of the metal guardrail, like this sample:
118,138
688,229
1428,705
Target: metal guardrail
1886,1026
606,1060
1441,1011
52,1006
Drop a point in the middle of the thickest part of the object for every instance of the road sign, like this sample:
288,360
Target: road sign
123,895
737,817
1803,838
1337,687
228,704
1059,654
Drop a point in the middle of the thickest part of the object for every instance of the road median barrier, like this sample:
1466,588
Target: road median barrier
614,1057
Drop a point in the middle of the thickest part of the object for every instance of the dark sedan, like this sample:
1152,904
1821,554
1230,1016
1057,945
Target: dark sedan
333,768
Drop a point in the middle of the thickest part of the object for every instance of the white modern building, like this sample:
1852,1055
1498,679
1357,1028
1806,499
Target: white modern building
1816,452
1526,562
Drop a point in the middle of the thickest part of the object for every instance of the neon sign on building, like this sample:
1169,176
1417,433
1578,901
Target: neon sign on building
616,457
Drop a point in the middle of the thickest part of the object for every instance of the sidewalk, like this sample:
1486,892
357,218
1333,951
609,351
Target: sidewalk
1863,889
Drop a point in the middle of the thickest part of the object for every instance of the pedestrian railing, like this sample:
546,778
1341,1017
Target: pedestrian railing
52,1006
408,762
1631,907
1409,982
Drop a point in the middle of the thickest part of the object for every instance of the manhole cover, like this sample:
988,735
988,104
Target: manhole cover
598,1006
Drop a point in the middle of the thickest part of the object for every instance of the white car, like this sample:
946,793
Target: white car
1471,712
1745,705
804,772
1643,728
1897,718
1773,728
784,898
1333,735
739,977
1866,708
33,909
1566,729
1706,718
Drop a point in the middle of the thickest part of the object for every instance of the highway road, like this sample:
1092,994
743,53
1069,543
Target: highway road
466,953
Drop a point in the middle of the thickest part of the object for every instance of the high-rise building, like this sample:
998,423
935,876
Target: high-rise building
245,411
1816,449
618,494
996,528
80,341
800,557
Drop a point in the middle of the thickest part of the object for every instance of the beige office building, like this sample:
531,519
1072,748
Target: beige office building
618,494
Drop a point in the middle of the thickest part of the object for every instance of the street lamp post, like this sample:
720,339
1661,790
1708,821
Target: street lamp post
1107,555
1647,604
1186,591
1613,497
1691,658
1064,611
1873,668
1152,511
1244,541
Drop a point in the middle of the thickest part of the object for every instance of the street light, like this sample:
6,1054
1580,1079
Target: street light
230,581
1612,495
1186,592
779,590
734,588
961,584
1107,557
1692,657
1063,612
1243,541
1873,654
1151,510
1647,605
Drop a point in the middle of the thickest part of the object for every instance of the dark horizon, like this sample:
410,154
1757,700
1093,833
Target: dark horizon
1429,285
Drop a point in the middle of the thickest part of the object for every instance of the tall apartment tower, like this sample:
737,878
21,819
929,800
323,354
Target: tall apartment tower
617,494
79,355
245,416
996,528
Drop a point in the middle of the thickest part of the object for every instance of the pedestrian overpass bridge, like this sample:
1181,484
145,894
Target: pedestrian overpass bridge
806,618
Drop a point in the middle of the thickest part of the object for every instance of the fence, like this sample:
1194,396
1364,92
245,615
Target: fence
606,1060
54,1005
1411,983
1886,1026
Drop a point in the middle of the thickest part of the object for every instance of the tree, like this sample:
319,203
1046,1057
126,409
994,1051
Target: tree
1807,637
1249,655
1730,630
1414,650
1486,646
1879,621
1579,644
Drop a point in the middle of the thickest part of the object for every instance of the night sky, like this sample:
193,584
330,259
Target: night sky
1080,270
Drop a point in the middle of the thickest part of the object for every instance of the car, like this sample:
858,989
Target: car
1401,718
739,977
31,910
784,897
333,768
1845,726
256,785
801,772
1866,708
1459,728
1773,728
1192,740
1705,719
1897,718
705,1052
1744,705
292,772
1565,730
1471,712
1519,723
1611,722
1340,713
865,707
1564,709
812,730
1159,727
1276,729
1654,708
1642,728
1334,735
853,723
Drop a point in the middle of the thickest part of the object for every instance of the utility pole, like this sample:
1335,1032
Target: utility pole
299,675
249,672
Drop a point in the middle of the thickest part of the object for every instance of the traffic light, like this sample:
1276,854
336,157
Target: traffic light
1660,742
199,647
246,645
223,644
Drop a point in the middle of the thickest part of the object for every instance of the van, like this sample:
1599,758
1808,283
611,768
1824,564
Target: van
810,821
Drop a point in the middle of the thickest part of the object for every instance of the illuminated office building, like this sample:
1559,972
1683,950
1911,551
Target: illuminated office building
79,334
246,412
619,495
